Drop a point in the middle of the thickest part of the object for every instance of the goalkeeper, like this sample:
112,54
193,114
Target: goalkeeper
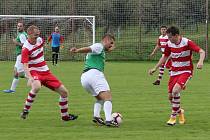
56,39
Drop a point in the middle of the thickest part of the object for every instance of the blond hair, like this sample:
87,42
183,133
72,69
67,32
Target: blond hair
31,29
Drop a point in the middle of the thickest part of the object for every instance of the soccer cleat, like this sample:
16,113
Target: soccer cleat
8,91
112,124
69,117
98,121
157,82
181,117
171,121
24,114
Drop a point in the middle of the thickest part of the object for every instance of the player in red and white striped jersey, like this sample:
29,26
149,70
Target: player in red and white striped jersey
180,50
38,74
161,44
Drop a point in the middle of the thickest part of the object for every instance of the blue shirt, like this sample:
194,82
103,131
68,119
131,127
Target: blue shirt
56,38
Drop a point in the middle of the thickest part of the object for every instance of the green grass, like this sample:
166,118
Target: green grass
145,107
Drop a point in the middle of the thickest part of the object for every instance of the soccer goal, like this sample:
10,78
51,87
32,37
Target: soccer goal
78,31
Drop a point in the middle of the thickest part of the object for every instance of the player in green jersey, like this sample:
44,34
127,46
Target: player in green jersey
94,81
18,68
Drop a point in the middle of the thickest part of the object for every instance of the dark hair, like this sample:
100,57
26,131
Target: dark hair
163,26
173,30
109,35
20,21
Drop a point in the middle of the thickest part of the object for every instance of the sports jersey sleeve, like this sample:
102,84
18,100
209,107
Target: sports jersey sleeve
49,38
193,46
158,42
24,55
96,48
23,38
61,39
167,51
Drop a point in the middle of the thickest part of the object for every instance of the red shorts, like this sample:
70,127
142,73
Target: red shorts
180,79
47,79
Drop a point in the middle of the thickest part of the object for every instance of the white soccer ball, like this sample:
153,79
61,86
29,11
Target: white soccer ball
117,117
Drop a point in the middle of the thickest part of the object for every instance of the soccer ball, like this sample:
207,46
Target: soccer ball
117,117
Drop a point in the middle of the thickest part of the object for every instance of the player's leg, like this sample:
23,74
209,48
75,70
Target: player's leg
63,104
35,87
175,103
53,55
161,72
86,79
17,69
15,80
97,112
56,55
107,98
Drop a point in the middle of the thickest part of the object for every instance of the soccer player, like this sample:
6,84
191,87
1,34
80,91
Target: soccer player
94,81
161,44
38,74
180,49
56,39
18,68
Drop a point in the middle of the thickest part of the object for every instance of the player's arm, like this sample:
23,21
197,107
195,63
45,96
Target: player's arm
95,49
22,40
61,39
157,47
24,60
17,43
80,50
161,61
49,39
197,49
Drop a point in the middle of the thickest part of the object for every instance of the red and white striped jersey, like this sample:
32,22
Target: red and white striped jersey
34,56
162,41
181,55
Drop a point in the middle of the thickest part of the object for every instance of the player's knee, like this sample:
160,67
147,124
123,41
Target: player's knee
21,75
107,96
176,90
64,92
36,87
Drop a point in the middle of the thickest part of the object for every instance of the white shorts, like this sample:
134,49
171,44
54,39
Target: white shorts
94,82
18,64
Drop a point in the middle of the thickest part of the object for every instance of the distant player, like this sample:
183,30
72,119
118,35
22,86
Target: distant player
94,81
38,74
180,49
56,39
18,68
161,44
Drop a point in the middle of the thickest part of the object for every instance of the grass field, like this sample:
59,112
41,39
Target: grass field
145,107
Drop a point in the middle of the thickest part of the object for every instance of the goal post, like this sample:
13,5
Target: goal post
78,31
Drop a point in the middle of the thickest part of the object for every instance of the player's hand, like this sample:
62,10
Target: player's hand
62,47
151,71
110,49
151,55
73,50
199,65
30,81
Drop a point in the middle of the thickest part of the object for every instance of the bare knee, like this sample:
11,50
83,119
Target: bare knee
36,86
62,91
104,95
177,89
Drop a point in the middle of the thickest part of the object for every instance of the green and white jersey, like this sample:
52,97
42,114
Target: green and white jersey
21,38
96,58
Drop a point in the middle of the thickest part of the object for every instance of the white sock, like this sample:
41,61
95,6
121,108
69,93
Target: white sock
97,108
14,84
108,110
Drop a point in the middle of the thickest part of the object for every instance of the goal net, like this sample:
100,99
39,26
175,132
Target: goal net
78,31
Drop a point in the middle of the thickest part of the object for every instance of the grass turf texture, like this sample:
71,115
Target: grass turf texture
144,107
